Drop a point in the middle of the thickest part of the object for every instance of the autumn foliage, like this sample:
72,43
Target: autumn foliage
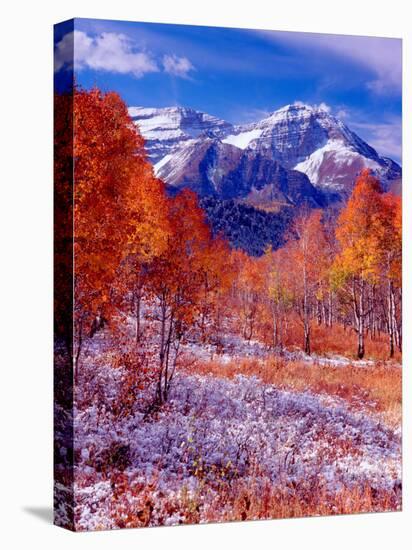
118,204
134,247
145,258
368,267
165,325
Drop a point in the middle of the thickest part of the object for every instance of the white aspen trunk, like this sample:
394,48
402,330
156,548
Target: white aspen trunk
361,332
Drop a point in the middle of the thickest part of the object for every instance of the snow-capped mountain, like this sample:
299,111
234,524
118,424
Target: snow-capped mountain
213,167
313,141
193,149
166,129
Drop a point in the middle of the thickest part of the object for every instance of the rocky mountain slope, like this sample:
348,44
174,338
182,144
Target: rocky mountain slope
212,167
313,141
168,128
193,149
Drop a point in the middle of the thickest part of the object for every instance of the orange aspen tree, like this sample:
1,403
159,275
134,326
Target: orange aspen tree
216,281
307,263
175,282
249,291
278,291
389,236
359,236
148,239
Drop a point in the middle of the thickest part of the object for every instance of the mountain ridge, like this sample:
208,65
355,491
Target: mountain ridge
299,137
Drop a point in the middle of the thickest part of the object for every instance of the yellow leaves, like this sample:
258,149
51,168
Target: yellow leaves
367,230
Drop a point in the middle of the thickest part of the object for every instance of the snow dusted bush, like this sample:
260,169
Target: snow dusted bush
230,442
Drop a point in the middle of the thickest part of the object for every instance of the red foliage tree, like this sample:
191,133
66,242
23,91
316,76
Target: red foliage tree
117,204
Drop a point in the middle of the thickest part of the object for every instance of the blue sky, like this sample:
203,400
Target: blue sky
243,75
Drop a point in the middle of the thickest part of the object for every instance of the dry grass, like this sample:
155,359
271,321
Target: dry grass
377,387
344,342
253,502
336,339
143,505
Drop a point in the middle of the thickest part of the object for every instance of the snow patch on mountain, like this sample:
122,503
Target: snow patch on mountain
157,123
243,139
341,157
157,167
166,129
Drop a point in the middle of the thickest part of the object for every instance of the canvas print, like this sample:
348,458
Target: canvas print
228,282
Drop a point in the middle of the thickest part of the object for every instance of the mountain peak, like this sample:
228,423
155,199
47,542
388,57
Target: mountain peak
302,106
298,136
296,106
167,128
298,109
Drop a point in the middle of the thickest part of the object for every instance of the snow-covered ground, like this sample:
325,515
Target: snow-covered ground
240,427
234,346
170,465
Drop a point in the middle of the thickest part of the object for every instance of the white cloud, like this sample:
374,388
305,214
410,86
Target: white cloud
108,51
64,52
115,53
381,56
324,107
320,107
299,103
177,66
385,137
342,114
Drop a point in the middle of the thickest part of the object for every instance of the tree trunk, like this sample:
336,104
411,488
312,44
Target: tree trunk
307,338
79,344
161,353
319,312
138,299
306,319
361,322
138,303
391,319
398,321
324,312
330,310
167,357
275,330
